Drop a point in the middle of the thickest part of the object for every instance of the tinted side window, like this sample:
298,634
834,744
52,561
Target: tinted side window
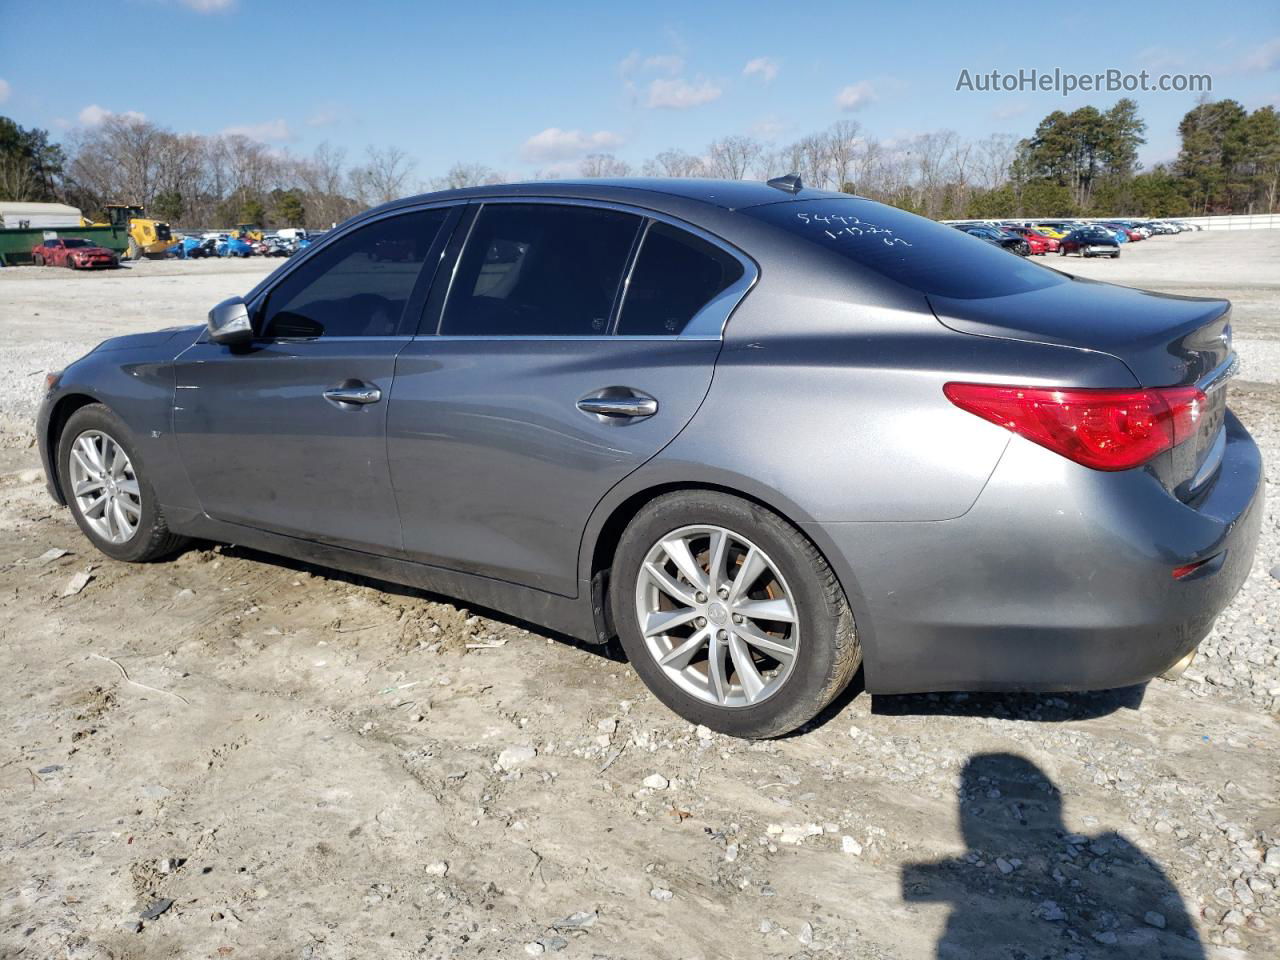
675,275
539,270
358,285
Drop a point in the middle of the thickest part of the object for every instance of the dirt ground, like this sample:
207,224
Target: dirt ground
229,755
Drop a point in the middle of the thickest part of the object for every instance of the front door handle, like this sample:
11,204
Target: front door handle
358,394
628,407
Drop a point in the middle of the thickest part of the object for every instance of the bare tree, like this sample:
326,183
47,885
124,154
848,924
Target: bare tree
466,175
674,163
385,175
843,141
603,165
995,156
731,157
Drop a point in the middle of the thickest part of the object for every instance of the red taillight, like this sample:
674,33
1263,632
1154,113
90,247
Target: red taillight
1102,429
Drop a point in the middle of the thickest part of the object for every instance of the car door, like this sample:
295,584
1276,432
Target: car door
574,341
289,435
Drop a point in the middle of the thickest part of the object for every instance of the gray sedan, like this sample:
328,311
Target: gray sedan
762,434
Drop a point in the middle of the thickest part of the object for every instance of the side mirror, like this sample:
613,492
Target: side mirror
229,323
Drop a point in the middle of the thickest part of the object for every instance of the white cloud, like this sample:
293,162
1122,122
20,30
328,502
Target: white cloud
209,6
323,117
4,89
554,145
855,96
679,94
264,132
766,68
768,127
1159,58
1010,110
635,63
1263,58
93,115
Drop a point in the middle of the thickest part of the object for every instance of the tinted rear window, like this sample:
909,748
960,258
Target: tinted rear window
539,270
913,251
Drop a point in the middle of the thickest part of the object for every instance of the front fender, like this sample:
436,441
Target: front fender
138,386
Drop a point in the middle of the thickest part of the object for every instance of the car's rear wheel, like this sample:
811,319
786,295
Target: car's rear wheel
730,615
37,260
106,487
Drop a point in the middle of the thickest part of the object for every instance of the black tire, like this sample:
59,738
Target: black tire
152,540
70,264
37,261
1116,255
829,652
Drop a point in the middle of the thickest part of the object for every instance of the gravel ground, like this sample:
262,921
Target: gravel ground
230,755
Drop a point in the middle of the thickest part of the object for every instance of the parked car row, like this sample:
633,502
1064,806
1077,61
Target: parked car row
79,254
1089,238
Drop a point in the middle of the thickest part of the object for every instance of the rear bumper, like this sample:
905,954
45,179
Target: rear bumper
1059,577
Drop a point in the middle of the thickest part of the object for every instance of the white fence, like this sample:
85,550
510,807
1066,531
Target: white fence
1236,221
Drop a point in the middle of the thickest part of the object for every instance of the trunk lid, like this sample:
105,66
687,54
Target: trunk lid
1164,340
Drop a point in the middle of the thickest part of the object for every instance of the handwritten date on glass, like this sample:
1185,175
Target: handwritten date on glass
838,225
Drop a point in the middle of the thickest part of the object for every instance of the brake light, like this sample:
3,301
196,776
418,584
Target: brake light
1102,429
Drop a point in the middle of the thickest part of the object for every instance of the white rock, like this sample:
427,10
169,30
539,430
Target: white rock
731,852
704,733
77,583
850,845
661,893
1004,866
534,949
516,756
1049,910
438,869
607,726
656,781
1154,919
793,833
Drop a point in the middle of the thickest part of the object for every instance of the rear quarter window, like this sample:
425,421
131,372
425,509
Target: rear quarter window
913,251
675,275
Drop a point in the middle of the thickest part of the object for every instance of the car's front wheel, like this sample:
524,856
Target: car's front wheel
107,489
730,615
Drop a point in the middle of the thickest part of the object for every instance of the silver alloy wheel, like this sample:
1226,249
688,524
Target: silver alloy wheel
105,487
717,616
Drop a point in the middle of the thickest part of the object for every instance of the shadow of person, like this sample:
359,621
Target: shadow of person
1027,888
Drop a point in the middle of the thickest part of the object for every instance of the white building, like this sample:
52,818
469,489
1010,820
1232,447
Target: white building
15,215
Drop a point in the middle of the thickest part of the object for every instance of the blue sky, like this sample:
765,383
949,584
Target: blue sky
521,86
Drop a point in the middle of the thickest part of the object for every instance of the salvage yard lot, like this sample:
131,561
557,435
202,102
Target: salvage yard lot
308,764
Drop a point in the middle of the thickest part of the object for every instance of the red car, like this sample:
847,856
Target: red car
74,253
1040,243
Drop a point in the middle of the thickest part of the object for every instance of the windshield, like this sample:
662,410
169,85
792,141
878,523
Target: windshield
913,251
77,242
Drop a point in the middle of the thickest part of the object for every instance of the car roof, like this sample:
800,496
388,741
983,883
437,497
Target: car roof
726,194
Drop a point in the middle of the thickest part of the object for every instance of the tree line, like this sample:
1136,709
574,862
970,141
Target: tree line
1073,164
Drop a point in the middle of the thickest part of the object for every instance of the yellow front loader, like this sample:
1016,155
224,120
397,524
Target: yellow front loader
147,237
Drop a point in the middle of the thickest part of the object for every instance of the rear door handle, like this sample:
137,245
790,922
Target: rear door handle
359,394
622,407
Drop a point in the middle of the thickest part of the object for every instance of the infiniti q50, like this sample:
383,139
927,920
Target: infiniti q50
762,434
